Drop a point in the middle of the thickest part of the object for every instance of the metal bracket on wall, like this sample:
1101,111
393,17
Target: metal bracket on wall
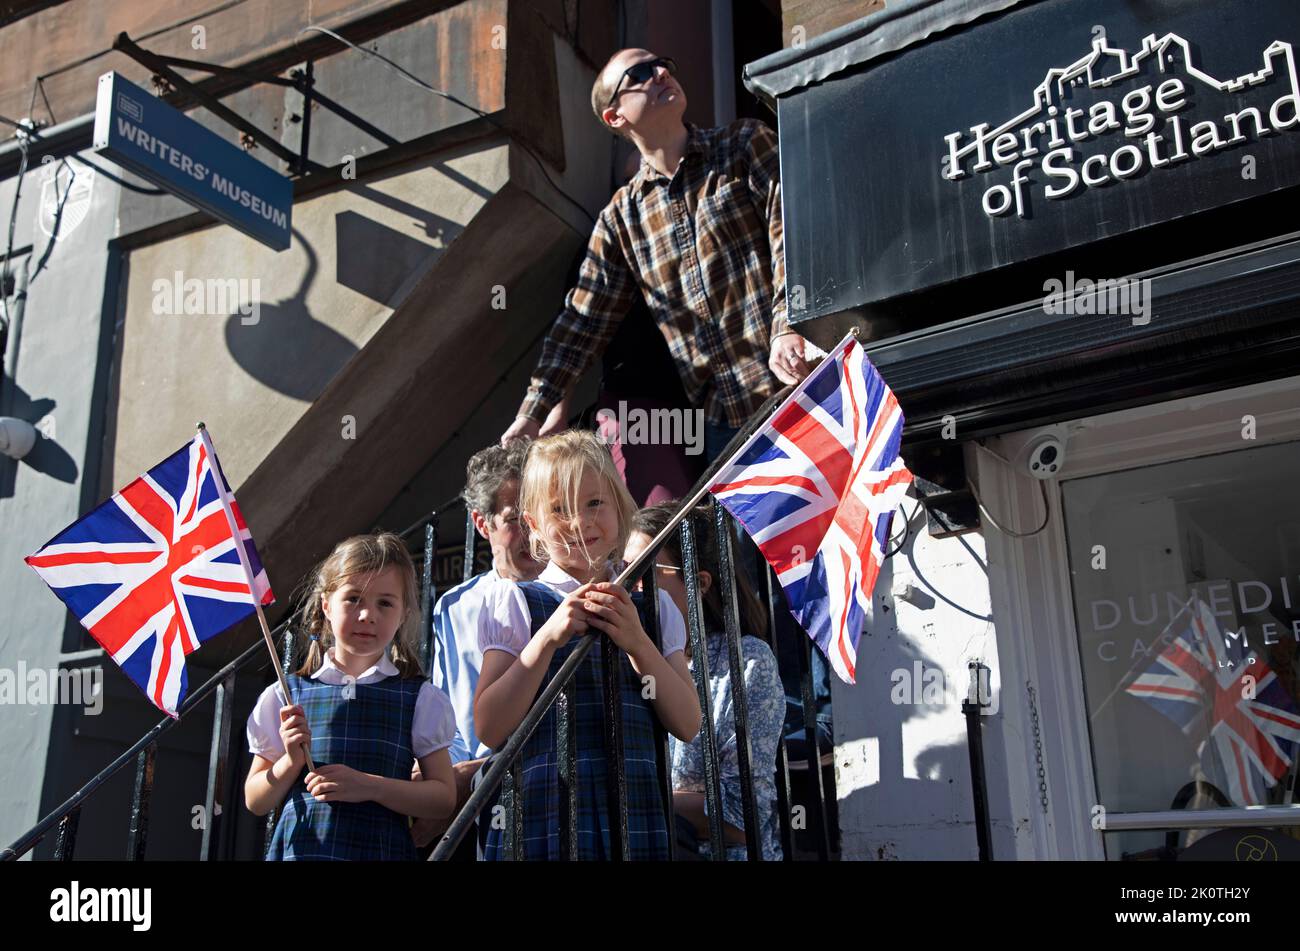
939,480
301,79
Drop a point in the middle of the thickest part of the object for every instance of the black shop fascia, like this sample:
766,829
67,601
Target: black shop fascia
1037,210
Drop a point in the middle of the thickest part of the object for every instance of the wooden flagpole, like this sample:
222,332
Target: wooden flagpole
248,573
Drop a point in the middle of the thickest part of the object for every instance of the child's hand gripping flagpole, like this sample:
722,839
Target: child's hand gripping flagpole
248,573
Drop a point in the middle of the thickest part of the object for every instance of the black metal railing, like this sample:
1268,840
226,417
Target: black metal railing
221,798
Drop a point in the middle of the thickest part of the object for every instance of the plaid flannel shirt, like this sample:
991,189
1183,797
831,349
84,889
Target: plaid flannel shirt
705,250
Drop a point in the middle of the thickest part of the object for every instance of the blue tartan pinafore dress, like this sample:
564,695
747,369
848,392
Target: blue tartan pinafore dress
647,835
370,732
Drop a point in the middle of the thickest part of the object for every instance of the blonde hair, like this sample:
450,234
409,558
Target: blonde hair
553,470
360,555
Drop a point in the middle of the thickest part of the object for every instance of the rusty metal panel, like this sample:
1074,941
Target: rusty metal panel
804,19
68,44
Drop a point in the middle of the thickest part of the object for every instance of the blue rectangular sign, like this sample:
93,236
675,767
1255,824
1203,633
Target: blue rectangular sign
160,143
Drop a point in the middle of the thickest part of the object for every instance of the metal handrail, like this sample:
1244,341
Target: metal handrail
1223,818
39,831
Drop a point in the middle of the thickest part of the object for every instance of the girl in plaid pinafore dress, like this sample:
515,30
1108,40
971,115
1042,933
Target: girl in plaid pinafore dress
579,514
364,710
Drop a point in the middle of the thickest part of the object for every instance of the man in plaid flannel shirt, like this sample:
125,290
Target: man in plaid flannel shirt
697,232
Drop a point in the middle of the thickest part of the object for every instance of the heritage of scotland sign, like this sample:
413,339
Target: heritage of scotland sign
1031,133
1151,120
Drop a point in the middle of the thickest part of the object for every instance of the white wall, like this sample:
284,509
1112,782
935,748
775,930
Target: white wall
902,767
59,371
901,770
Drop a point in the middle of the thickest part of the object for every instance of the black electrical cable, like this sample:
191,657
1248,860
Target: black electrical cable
411,77
1047,507
907,531
13,218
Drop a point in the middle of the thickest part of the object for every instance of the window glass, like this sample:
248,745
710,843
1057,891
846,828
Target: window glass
1186,583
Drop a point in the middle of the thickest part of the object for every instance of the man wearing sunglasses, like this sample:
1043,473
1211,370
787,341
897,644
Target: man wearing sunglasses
697,234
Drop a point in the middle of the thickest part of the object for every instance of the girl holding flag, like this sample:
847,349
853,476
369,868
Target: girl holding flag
364,709
580,515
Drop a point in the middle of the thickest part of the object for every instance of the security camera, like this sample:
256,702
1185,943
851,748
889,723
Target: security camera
1045,455
17,436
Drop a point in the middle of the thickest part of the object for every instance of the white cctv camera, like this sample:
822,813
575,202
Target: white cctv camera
17,436
1044,455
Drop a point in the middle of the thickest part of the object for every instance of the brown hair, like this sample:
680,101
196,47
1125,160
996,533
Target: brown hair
553,470
652,520
360,555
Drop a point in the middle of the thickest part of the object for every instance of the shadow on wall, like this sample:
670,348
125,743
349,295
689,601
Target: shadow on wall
437,228
376,260
287,349
283,346
888,810
46,456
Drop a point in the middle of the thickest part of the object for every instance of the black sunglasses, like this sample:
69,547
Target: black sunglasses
643,72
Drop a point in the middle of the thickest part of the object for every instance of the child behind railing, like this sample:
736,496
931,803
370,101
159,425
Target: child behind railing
764,695
580,514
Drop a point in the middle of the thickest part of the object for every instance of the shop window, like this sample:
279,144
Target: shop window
1186,584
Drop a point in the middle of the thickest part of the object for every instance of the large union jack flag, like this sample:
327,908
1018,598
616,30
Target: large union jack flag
1247,729
154,572
816,489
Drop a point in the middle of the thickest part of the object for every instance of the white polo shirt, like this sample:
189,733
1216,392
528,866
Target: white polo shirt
432,728
457,659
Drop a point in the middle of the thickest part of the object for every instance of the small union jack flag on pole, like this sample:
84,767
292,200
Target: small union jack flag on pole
164,565
816,488
1248,728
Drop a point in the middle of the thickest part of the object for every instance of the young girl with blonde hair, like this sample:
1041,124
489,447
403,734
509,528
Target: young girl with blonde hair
364,709
580,515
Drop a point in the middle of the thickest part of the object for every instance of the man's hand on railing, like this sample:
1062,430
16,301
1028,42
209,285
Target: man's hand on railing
787,360
523,426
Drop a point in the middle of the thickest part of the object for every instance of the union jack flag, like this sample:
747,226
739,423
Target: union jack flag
816,489
154,571
1249,730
